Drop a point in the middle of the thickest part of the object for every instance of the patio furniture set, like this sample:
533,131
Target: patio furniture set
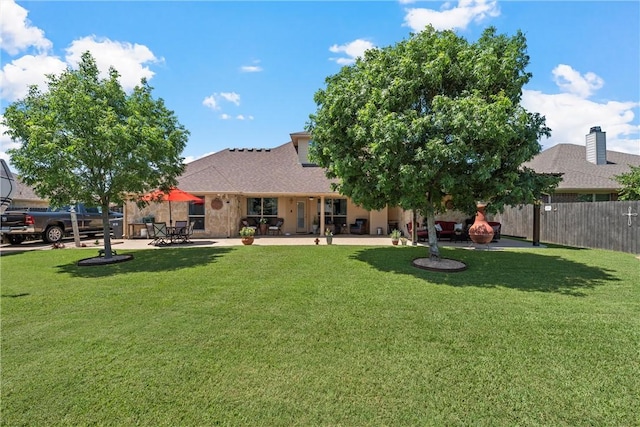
162,235
272,226
454,231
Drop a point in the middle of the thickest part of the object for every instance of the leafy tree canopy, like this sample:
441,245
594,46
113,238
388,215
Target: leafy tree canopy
86,140
630,182
433,115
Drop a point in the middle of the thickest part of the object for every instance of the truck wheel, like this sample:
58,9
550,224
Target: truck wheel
52,234
16,239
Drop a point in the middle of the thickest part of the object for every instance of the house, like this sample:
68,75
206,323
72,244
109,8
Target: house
25,197
588,170
241,183
245,183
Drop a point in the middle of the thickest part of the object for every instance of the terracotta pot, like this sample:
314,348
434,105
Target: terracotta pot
247,240
481,232
394,242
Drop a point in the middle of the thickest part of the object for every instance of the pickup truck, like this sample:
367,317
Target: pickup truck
50,225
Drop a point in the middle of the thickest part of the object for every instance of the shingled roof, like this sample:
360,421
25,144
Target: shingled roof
24,192
254,171
580,174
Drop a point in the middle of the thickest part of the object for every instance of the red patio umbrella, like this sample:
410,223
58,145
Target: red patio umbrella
173,195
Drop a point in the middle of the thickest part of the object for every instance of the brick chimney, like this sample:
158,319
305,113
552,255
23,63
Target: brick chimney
597,146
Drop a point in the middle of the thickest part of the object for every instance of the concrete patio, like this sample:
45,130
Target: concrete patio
300,240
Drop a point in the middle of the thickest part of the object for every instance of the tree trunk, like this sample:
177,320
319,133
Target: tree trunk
434,250
106,231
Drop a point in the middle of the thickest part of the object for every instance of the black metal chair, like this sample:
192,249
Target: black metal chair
161,236
178,231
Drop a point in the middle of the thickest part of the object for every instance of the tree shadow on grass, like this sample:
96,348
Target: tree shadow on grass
149,260
525,271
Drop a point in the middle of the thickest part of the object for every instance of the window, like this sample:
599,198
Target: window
259,207
335,211
196,214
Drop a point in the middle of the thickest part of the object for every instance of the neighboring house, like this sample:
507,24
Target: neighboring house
239,183
24,197
587,171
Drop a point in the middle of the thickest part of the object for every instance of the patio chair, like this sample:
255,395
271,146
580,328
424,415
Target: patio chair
188,233
420,234
183,234
359,227
160,235
178,231
245,223
275,228
149,226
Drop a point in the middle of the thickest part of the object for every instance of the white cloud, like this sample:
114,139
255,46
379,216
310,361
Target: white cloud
571,114
210,101
129,59
17,33
451,18
243,117
225,116
19,74
231,97
250,69
213,101
570,80
255,68
352,49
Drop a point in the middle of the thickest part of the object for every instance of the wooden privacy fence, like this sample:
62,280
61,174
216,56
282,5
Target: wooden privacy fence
604,225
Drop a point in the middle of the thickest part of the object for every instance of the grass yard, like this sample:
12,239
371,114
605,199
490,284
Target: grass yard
321,335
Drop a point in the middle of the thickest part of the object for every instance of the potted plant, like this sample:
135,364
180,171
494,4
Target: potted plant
403,240
246,234
314,225
329,235
263,226
395,236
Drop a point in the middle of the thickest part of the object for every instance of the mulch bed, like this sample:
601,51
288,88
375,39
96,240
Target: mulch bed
446,265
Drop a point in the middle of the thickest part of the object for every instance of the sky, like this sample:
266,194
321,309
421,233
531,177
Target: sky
242,74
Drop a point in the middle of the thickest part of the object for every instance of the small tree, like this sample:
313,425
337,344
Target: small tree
630,183
431,116
86,140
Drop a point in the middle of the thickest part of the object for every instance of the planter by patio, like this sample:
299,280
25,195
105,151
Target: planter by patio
481,232
247,240
263,229
329,240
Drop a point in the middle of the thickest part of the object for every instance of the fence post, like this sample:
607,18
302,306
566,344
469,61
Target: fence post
536,224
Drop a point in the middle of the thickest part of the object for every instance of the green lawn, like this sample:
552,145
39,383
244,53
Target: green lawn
321,335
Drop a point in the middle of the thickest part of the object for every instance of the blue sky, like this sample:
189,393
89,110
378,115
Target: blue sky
243,74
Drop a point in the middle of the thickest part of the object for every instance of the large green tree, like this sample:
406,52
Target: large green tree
630,183
85,140
433,115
